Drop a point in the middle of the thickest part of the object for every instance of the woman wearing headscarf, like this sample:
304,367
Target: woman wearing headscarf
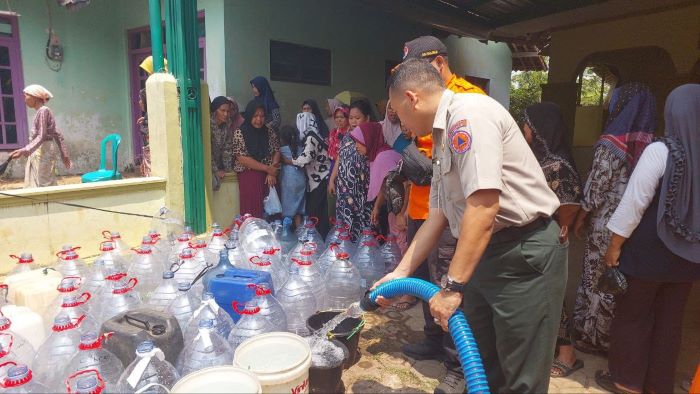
656,244
381,158
331,105
314,159
46,142
310,105
545,131
350,177
221,139
257,159
630,128
235,113
262,92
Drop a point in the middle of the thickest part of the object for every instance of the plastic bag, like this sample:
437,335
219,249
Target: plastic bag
612,282
272,203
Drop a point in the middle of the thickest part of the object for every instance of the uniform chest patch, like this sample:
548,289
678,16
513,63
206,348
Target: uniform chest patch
461,141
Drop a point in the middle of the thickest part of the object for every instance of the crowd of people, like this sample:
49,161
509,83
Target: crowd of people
492,222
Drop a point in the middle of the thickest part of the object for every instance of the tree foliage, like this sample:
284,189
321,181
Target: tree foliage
525,90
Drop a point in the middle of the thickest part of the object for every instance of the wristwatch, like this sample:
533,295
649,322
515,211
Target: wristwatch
449,284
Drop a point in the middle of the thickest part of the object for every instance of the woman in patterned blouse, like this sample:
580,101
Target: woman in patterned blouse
221,139
256,149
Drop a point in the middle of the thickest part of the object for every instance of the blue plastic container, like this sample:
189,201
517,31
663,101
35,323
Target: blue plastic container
235,285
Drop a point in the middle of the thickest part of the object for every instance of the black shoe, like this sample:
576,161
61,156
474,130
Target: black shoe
426,350
453,383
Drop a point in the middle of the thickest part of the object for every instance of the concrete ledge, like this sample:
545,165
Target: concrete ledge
81,190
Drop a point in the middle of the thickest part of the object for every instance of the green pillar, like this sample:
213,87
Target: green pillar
156,35
182,44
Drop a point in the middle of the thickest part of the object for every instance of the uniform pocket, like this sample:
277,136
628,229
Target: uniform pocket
538,256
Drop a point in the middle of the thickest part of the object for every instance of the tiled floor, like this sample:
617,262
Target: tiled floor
384,369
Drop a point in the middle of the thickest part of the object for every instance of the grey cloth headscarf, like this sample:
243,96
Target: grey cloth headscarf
678,220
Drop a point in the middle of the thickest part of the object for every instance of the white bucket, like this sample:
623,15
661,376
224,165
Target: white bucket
223,379
280,360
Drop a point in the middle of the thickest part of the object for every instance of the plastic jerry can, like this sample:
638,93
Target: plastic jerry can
28,322
143,324
34,289
233,285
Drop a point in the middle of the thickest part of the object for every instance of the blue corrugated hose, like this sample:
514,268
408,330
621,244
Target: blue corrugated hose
465,344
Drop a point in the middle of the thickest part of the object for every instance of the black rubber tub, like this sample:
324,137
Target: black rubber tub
347,332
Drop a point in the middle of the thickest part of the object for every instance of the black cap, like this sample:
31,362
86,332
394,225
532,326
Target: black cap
424,47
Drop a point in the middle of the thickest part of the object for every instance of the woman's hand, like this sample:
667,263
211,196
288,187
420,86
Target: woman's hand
17,154
140,120
331,187
580,225
271,180
67,162
612,256
401,222
374,218
272,171
220,174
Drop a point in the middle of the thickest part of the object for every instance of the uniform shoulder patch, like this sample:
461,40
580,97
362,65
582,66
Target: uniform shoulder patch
462,123
461,141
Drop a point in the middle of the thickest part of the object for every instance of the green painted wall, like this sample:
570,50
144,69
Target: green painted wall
360,39
91,86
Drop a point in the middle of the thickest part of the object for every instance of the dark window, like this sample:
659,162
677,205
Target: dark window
298,63
483,83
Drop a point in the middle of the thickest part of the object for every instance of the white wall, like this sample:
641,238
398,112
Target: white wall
469,56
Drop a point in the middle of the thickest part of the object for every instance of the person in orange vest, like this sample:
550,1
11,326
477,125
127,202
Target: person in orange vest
437,344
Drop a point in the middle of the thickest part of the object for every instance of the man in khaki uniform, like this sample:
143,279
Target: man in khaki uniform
509,269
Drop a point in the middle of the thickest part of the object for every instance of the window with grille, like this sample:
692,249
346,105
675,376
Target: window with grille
13,113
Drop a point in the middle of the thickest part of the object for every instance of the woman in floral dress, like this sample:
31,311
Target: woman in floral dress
630,128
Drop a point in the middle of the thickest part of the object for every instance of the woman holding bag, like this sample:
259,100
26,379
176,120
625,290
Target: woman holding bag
655,243
256,149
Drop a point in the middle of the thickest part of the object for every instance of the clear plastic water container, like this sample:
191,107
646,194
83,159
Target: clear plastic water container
298,300
122,298
116,239
161,247
307,271
256,235
207,349
209,310
20,379
203,254
95,279
391,253
252,323
188,267
269,306
25,263
271,264
147,269
181,243
343,283
14,345
150,368
184,305
328,257
69,263
168,223
304,249
217,240
55,353
92,356
286,237
25,320
85,382
74,307
69,286
165,293
111,257
370,263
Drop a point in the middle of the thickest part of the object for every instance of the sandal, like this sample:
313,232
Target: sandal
605,381
564,370
587,348
408,303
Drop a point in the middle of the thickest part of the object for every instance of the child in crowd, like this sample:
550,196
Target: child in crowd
292,178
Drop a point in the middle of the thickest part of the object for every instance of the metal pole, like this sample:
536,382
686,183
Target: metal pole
156,35
183,51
